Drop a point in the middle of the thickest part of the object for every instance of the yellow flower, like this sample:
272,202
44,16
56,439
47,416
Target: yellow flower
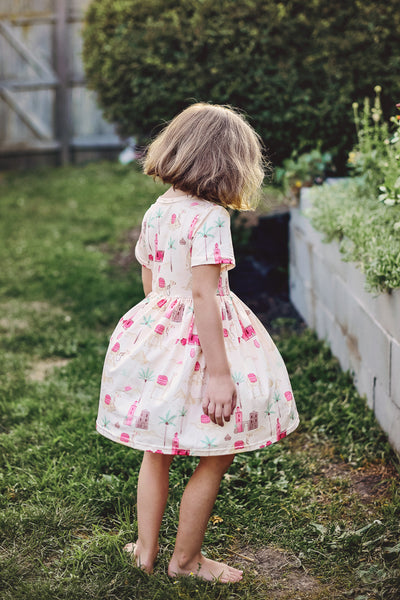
216,519
352,158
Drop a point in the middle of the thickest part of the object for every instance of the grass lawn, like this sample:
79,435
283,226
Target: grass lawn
315,516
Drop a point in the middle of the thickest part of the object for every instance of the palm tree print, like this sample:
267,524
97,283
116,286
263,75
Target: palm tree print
159,214
147,320
167,420
145,376
182,415
268,411
171,246
105,422
150,222
220,223
205,233
209,443
238,378
277,397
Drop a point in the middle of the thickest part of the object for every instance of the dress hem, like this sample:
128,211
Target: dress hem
199,451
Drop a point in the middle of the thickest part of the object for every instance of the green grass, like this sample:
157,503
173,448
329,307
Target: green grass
67,495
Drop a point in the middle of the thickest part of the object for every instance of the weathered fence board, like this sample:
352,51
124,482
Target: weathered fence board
45,107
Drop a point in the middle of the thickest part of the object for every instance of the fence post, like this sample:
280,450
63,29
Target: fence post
63,119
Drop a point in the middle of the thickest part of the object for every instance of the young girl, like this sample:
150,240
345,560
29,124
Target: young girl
190,370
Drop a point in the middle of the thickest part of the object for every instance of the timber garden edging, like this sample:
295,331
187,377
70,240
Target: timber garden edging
361,328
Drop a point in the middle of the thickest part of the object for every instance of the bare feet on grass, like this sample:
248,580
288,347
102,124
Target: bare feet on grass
144,558
205,568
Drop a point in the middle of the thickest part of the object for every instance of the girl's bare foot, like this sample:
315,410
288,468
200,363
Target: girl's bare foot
144,559
205,568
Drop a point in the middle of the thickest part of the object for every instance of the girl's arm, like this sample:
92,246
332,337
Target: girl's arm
146,280
220,399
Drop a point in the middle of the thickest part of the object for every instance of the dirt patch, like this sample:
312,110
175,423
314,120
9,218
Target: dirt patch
43,368
282,570
369,482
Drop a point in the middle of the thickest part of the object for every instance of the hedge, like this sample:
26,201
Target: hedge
294,67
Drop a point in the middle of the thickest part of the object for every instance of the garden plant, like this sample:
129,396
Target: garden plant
363,212
314,517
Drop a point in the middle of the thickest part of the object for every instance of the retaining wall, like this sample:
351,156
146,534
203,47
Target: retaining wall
362,329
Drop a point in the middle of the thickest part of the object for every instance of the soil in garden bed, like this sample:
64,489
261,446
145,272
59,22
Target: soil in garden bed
261,276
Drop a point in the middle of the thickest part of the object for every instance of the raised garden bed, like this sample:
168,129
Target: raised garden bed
362,328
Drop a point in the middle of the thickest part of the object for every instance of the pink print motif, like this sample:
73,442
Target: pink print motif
159,329
124,438
248,332
205,419
159,256
238,420
161,282
175,447
217,254
173,219
192,226
161,303
151,258
289,396
131,412
162,380
279,434
107,399
239,444
127,323
252,377
116,347
193,338
168,313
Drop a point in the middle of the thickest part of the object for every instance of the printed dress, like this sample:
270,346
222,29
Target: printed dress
155,375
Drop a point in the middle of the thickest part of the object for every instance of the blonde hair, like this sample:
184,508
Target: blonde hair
211,152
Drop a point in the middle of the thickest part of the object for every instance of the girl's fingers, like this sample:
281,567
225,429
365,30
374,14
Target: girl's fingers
227,412
211,411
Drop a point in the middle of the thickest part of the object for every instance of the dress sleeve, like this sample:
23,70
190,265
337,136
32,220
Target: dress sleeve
212,241
141,251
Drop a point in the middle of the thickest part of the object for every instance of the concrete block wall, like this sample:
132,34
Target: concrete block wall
362,329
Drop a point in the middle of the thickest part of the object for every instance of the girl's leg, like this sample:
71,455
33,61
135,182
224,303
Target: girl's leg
152,494
197,502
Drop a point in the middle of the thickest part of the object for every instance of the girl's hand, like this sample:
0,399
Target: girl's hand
220,399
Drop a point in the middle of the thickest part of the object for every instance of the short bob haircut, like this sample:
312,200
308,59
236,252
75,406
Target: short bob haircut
211,152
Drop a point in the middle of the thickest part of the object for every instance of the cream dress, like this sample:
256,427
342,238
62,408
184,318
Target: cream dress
155,374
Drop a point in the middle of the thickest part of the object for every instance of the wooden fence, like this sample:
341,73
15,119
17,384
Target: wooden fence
47,116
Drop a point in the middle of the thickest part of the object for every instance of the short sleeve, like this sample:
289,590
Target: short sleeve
212,241
141,252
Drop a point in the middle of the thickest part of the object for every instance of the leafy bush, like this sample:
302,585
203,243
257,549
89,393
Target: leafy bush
368,233
294,67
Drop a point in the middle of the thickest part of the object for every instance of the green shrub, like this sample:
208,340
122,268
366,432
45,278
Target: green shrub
294,67
368,233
